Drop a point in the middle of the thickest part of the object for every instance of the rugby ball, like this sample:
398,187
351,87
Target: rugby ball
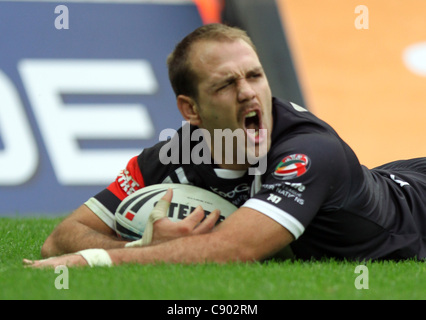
133,212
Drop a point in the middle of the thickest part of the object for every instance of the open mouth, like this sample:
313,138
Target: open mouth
252,123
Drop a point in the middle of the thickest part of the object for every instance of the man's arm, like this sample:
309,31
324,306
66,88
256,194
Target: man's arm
246,235
83,229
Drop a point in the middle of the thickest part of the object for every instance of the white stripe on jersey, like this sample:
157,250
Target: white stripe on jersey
102,212
182,176
280,216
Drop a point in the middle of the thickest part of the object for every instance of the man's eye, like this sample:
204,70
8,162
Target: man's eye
224,86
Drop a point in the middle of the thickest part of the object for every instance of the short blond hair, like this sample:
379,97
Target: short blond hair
182,77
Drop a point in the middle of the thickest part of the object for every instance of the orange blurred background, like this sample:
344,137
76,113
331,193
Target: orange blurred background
356,79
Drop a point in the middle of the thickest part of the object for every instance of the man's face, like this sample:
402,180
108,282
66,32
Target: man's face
233,93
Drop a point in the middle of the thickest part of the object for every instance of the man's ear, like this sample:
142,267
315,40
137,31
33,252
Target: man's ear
189,109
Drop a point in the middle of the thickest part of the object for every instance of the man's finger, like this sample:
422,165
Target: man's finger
194,218
160,211
34,263
196,223
208,223
168,195
162,207
27,262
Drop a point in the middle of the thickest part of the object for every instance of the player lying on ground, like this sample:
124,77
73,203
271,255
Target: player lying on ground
313,195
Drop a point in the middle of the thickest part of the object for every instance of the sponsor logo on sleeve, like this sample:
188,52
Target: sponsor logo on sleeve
292,166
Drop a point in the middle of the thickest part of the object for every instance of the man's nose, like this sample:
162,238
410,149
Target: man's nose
245,91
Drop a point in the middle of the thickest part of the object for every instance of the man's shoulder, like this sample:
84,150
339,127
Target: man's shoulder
287,104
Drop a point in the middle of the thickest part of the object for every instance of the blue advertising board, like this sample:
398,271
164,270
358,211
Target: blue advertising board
83,88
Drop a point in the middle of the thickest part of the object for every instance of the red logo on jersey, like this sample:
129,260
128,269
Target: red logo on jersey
292,166
127,182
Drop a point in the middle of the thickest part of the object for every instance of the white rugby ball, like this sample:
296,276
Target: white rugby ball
133,212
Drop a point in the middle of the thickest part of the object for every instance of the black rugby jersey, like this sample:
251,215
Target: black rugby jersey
334,206
314,186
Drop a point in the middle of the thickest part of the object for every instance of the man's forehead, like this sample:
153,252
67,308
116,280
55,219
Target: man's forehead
206,45
213,53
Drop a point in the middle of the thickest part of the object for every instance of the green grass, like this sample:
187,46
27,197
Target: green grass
23,237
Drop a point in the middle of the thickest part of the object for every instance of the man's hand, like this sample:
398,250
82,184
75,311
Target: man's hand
162,229
92,257
65,260
166,230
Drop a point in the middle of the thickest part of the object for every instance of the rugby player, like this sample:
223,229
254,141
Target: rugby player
313,197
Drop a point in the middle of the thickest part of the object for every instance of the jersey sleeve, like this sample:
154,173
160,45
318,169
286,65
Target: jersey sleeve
105,203
302,174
